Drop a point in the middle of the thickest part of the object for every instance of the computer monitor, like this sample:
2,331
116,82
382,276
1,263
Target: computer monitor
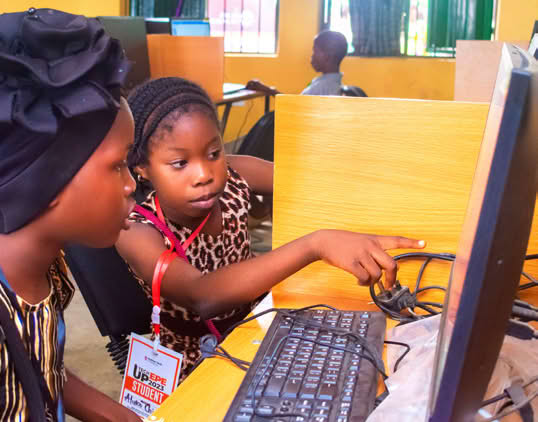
533,47
190,27
158,26
131,31
493,244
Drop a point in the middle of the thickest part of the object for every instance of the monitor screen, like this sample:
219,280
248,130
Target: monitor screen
190,27
158,26
493,243
131,31
533,47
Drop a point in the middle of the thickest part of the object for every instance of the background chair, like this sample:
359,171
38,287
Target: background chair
259,141
116,301
352,91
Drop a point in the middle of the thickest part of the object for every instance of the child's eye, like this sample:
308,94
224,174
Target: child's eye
214,154
179,164
120,166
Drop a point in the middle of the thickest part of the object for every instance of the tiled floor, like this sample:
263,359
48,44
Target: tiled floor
85,352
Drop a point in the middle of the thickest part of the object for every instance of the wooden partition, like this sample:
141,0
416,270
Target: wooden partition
385,166
477,63
199,59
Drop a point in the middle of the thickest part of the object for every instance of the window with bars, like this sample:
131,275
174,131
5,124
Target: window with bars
425,28
248,26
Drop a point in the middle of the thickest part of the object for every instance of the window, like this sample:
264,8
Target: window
410,27
248,26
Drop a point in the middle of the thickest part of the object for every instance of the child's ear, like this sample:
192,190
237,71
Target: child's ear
54,202
141,171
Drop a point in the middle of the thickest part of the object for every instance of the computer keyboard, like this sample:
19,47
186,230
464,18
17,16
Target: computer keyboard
301,372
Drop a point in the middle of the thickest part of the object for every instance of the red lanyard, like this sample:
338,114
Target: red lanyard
160,268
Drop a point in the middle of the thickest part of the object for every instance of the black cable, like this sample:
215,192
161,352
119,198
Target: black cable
437,305
245,119
420,273
505,394
398,299
244,321
242,364
397,343
514,408
426,308
432,287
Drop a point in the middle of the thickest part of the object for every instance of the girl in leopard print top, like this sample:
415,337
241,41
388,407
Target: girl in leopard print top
178,158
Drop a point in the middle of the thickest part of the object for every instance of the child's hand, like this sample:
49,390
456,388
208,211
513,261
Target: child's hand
363,255
256,85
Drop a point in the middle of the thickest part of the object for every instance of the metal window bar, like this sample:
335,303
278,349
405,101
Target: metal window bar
242,47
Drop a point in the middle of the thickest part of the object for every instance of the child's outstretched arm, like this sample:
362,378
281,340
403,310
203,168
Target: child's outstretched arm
362,255
89,405
257,172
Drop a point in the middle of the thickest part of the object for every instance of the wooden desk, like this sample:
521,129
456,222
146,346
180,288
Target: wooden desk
242,95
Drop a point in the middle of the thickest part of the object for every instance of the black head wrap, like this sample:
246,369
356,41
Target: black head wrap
60,79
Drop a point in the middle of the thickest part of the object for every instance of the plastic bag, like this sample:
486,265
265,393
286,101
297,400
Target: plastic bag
410,385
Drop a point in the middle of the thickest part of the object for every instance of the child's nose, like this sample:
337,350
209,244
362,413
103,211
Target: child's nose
130,184
204,175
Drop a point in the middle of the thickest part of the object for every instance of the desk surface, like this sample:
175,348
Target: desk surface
241,95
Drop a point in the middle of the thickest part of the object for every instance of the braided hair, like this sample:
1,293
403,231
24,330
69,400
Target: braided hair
156,106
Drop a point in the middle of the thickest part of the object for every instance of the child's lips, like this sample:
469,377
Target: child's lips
206,201
126,222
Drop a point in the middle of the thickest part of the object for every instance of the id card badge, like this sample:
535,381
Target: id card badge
150,376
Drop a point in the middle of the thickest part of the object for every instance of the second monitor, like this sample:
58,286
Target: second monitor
190,27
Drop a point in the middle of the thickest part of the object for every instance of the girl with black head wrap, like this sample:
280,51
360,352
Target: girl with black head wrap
64,136
178,155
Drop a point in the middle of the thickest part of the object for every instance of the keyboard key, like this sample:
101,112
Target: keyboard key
243,417
274,386
323,405
308,391
265,410
320,412
327,391
291,388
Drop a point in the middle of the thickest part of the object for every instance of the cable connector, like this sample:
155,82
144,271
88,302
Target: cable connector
524,311
397,298
520,330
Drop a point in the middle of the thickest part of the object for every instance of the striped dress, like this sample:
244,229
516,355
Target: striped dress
42,330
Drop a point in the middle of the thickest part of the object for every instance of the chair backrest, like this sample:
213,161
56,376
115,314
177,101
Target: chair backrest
116,301
259,141
352,91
